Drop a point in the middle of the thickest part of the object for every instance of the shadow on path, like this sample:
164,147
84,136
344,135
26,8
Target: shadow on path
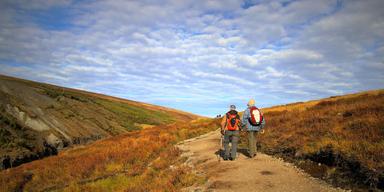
220,152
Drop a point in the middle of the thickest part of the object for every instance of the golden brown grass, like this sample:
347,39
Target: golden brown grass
143,160
342,132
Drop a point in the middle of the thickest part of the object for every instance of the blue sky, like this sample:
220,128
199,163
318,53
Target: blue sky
198,56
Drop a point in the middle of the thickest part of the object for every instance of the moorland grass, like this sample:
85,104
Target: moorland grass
144,160
344,133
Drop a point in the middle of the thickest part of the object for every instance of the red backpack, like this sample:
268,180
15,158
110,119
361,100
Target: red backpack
233,120
256,117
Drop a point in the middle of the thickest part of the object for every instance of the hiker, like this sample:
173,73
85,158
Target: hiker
230,126
253,121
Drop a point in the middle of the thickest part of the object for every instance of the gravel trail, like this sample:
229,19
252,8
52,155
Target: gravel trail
263,173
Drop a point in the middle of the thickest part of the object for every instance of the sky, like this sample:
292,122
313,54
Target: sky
199,56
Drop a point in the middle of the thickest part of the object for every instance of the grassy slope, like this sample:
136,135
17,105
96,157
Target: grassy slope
143,160
344,133
113,104
81,115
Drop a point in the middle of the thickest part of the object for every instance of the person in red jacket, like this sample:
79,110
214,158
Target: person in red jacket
230,126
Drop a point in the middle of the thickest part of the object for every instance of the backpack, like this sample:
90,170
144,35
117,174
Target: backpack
233,120
256,117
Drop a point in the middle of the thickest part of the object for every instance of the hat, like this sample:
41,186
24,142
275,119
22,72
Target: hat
251,102
232,107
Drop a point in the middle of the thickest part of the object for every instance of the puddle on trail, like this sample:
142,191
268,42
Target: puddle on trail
266,172
315,169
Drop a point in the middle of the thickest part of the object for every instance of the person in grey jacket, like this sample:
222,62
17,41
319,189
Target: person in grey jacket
251,129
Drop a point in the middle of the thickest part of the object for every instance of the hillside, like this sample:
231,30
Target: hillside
144,160
38,119
339,139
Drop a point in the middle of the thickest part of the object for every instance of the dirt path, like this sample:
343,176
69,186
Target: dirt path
262,173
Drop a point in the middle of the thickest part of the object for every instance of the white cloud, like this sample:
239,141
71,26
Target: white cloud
196,50
248,60
231,41
295,54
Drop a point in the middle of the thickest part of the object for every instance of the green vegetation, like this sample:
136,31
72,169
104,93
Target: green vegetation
6,120
128,115
6,137
56,93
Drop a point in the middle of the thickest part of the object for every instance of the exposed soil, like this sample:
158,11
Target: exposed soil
261,173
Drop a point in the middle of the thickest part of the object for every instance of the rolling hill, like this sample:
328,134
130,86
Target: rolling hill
38,120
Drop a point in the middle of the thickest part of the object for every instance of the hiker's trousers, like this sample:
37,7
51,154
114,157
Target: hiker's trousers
233,137
252,149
